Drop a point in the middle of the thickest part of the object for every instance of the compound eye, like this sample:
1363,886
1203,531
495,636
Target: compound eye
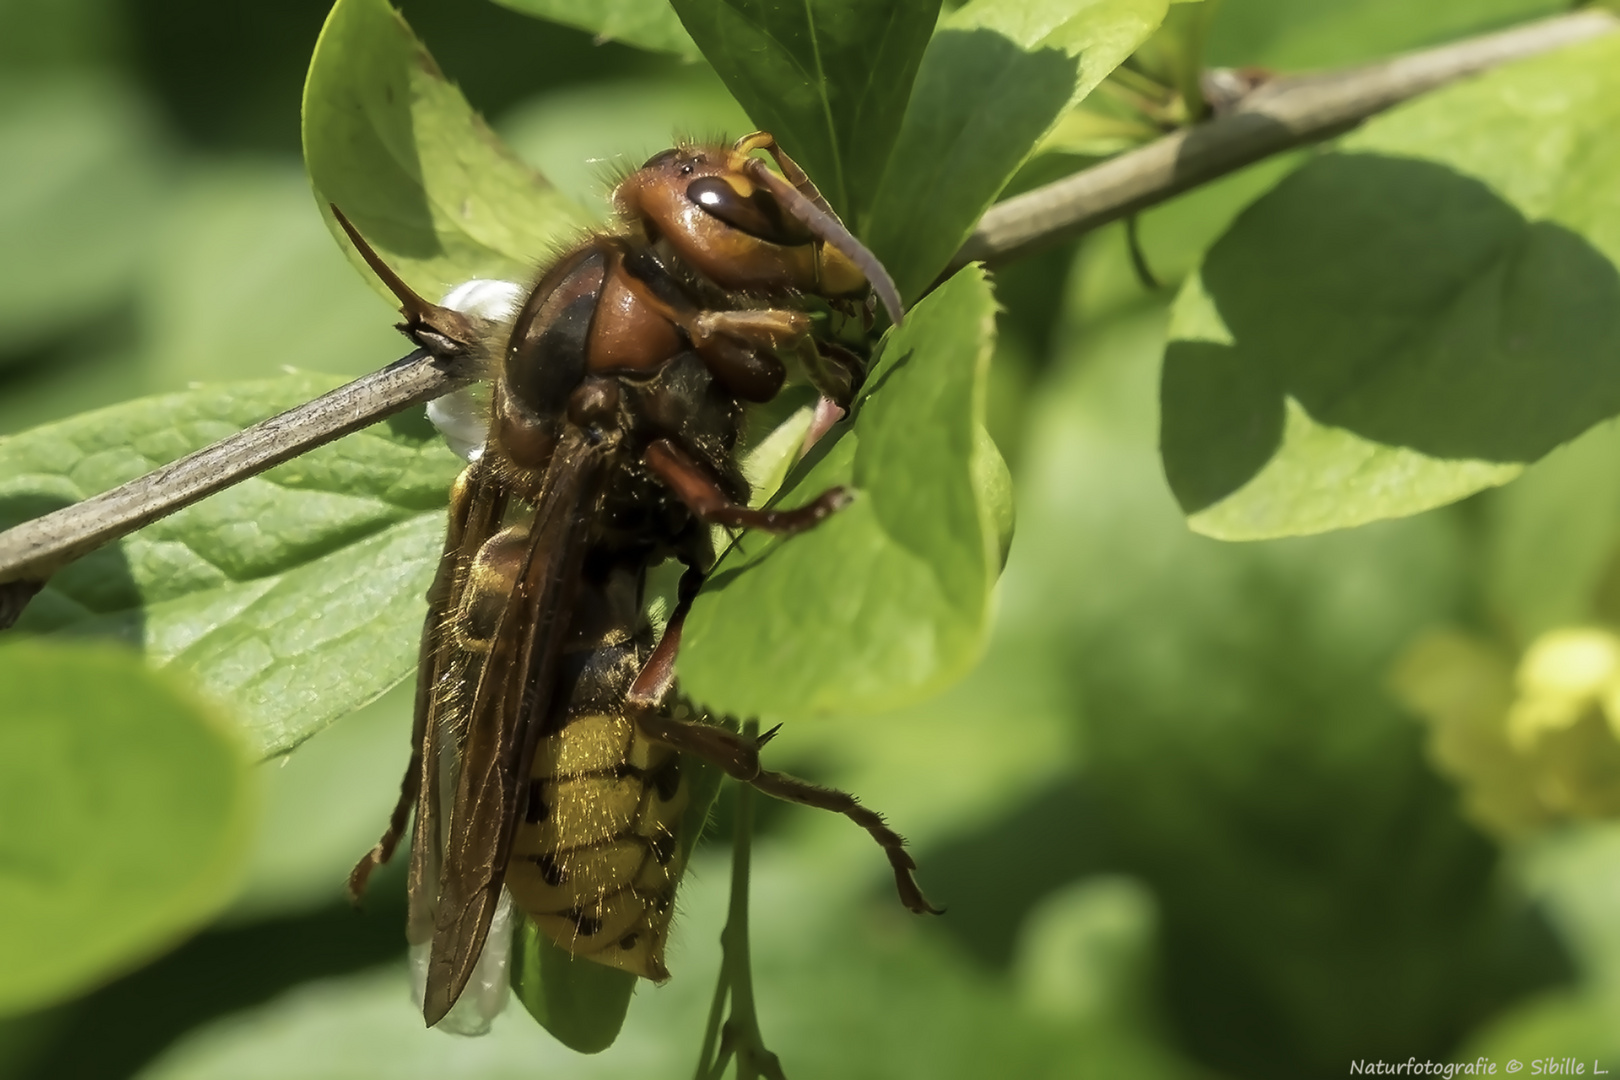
758,214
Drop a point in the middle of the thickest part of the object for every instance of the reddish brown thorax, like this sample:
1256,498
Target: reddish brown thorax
628,334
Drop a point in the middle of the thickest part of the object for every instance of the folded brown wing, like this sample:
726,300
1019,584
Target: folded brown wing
445,677
507,716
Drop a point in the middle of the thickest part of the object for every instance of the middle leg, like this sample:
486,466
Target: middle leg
702,495
738,757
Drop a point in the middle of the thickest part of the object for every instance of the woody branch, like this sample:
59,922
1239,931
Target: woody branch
1280,114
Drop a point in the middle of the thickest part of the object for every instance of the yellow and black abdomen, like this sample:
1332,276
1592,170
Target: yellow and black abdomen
598,854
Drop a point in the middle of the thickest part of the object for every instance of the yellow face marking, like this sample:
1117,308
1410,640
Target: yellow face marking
738,182
837,275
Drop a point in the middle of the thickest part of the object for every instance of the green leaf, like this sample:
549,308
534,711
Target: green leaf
1132,107
400,152
995,79
77,218
1552,538
993,481
296,596
1410,319
581,1003
1174,55
646,24
887,600
128,807
828,78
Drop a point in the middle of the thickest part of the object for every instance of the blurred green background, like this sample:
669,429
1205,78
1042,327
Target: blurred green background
1182,824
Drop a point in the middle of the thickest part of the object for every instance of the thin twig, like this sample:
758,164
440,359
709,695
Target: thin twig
709,1061
32,551
1279,115
740,1039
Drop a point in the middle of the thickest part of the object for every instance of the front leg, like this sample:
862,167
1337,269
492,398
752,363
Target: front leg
703,495
739,347
836,372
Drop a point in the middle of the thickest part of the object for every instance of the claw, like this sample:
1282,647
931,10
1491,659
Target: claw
442,331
